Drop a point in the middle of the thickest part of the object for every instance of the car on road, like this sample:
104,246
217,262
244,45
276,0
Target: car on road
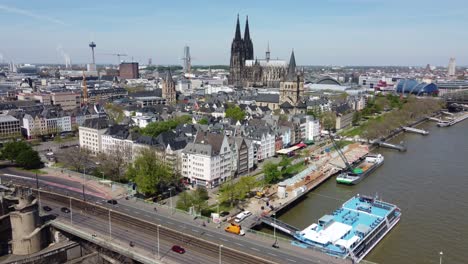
224,213
178,249
65,210
47,208
112,201
241,216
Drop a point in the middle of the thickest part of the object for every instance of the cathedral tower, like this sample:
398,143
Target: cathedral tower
237,58
292,86
248,46
168,88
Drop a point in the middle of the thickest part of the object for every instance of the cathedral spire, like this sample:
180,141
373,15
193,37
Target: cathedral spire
238,31
248,45
292,67
247,31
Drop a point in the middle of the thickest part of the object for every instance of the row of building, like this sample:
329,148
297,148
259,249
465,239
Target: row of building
208,154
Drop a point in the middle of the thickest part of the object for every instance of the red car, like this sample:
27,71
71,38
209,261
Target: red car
178,249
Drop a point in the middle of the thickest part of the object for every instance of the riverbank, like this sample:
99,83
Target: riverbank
425,182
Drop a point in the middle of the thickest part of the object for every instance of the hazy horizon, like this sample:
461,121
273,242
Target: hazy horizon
325,33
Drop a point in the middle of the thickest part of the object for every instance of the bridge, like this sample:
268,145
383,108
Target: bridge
273,222
112,227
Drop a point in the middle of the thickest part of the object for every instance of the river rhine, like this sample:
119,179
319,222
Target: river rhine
429,183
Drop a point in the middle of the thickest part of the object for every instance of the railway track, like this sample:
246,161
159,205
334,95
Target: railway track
126,221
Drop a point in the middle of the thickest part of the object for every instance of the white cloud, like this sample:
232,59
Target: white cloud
31,14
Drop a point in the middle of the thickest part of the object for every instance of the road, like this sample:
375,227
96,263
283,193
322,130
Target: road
242,244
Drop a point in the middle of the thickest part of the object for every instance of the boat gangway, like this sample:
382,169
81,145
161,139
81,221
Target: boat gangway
415,130
389,145
285,228
435,119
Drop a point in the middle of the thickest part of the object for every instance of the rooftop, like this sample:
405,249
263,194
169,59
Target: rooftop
7,118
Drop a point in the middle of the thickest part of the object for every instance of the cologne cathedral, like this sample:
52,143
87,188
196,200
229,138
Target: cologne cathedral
247,71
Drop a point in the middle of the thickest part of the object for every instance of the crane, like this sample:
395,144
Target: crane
341,154
118,55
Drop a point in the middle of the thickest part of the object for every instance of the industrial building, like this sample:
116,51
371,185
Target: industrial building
129,70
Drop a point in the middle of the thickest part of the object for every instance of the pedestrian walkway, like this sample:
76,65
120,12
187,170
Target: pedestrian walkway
110,189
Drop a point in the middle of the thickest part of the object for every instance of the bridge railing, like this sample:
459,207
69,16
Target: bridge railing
266,236
105,243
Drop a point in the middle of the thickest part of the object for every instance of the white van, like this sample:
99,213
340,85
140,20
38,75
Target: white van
241,216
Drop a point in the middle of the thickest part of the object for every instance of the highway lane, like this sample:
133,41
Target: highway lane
192,228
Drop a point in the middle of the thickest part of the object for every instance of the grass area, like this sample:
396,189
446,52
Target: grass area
293,170
38,171
59,165
354,131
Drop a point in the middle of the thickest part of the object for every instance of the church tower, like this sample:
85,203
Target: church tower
248,45
237,58
168,88
292,85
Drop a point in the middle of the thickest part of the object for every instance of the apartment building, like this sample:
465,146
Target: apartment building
90,134
207,161
9,127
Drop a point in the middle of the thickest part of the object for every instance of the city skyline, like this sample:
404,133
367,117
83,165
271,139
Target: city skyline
335,32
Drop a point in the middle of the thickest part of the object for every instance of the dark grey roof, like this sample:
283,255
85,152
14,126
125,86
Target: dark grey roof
196,148
212,139
268,98
144,94
286,105
96,123
119,131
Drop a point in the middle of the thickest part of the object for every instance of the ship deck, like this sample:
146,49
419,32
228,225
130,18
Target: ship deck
345,227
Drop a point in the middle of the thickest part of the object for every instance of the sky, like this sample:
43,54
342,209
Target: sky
321,32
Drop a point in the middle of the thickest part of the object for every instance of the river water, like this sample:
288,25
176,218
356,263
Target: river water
429,183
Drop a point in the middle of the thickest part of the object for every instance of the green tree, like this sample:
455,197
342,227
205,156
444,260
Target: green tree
185,201
271,173
200,199
235,112
230,193
201,193
328,120
203,121
247,183
356,118
29,159
149,173
12,149
284,163
156,128
114,112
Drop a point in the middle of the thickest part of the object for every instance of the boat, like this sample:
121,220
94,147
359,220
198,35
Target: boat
365,167
443,124
351,231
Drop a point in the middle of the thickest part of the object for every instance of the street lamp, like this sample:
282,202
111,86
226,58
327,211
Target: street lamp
71,211
440,255
220,247
274,225
84,172
110,225
157,228
170,197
